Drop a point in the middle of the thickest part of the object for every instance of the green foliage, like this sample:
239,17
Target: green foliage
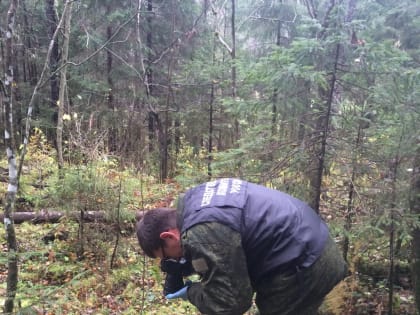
85,187
192,166
38,166
54,280
285,58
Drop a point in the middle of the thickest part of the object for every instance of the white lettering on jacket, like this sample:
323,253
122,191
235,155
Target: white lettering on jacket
208,193
223,187
236,186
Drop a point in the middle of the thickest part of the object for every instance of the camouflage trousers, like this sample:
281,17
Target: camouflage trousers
302,293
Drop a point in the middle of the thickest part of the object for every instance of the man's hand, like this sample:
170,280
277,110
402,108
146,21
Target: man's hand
180,294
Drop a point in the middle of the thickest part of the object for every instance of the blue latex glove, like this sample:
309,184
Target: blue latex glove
180,294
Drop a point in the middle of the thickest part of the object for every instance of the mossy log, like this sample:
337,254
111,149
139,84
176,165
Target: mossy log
379,270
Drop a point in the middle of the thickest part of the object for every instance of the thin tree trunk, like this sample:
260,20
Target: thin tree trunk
118,226
274,110
31,65
177,133
210,146
415,210
234,83
165,132
233,53
63,80
350,202
53,65
233,68
12,248
149,73
311,8
356,151
112,136
140,62
211,113
324,124
394,170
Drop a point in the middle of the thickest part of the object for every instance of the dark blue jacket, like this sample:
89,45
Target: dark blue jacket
277,229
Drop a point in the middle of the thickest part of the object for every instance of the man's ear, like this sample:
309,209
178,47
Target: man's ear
166,235
171,234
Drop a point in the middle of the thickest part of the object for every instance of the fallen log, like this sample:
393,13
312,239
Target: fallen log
379,271
46,216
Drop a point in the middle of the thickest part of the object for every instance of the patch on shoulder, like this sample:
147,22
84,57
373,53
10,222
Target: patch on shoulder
200,265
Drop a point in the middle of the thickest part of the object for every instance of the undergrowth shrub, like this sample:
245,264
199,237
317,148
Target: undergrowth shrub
84,187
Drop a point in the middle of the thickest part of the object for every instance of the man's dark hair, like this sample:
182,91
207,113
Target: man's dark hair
153,223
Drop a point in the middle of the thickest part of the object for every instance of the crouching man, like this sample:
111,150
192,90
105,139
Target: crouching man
243,238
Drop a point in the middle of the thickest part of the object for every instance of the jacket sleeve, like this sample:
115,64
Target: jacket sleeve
217,256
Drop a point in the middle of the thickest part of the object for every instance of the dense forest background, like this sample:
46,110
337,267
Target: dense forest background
109,107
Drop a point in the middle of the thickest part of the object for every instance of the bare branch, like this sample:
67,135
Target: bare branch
223,42
178,39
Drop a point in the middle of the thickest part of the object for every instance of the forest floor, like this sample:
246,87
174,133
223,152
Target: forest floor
58,278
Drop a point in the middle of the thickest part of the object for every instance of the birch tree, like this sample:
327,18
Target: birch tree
12,266
15,169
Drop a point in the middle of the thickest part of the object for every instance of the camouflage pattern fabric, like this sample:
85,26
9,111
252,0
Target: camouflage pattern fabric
225,288
303,293
216,253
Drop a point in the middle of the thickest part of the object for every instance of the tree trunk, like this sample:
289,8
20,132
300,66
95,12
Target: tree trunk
164,156
274,110
210,145
140,62
233,70
415,209
393,175
323,128
14,171
12,259
233,53
322,122
149,73
63,81
177,132
112,136
53,65
28,60
350,202
211,114
355,157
